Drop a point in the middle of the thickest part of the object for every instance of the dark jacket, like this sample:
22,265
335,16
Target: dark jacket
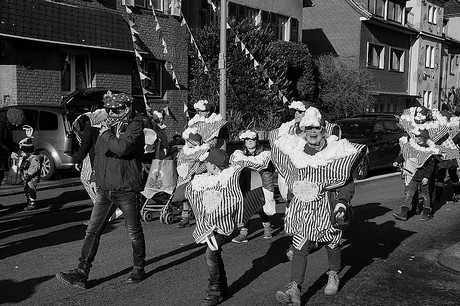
7,145
88,141
118,161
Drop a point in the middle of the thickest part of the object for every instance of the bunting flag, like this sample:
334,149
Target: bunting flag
134,36
165,45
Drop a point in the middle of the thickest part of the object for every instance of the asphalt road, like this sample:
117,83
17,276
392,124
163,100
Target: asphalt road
385,262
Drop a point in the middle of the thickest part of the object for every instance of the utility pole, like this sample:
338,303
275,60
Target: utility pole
223,60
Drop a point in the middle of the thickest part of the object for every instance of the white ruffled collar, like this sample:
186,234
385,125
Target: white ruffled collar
210,181
293,147
211,119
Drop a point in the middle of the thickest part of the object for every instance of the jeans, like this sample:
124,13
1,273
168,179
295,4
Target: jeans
300,258
217,275
412,189
104,207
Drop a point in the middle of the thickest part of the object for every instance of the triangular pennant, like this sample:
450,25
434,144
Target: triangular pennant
243,47
228,26
182,23
128,10
143,76
246,51
163,42
280,95
270,82
185,107
251,57
206,69
237,39
131,22
133,31
145,92
256,64
177,84
174,75
165,111
157,28
138,55
285,99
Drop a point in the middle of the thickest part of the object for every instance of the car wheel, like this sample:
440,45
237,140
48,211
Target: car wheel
362,169
48,166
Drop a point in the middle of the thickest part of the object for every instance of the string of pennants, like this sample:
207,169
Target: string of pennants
255,63
142,73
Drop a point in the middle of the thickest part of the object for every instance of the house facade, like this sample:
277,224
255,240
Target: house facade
49,49
401,43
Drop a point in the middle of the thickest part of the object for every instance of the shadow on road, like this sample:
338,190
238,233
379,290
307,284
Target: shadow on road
16,292
365,241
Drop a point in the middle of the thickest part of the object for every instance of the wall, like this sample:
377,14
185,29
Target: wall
332,26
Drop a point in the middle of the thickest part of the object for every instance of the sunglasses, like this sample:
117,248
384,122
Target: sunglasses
299,111
310,128
115,110
249,139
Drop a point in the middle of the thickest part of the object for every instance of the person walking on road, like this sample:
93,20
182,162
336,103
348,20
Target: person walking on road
418,163
118,177
318,172
256,153
12,117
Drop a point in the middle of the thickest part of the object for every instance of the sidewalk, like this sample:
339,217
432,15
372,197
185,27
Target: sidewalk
450,257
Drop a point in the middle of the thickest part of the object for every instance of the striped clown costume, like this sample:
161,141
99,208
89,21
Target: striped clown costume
312,181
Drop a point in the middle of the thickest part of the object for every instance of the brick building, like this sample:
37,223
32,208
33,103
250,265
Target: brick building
48,49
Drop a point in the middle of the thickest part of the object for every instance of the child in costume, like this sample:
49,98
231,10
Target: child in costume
30,165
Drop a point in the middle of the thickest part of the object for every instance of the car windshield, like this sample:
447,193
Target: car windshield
355,129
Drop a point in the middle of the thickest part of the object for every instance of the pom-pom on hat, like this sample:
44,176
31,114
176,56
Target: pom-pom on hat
312,117
202,105
300,105
15,116
218,157
26,145
248,134
116,100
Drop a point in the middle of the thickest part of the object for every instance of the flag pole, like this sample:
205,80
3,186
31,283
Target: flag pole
223,60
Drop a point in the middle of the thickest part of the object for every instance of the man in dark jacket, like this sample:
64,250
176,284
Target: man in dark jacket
8,119
118,177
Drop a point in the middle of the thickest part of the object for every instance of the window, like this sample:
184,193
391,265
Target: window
153,70
432,14
377,7
157,4
428,99
452,64
396,60
48,121
395,11
75,71
240,12
282,25
429,57
294,30
375,56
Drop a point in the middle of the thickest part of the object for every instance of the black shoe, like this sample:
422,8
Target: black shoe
402,215
136,276
74,277
30,207
185,222
426,215
214,296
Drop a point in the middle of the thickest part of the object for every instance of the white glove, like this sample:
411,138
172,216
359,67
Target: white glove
339,210
14,155
93,187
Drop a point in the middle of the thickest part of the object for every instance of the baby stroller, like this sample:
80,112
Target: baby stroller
160,187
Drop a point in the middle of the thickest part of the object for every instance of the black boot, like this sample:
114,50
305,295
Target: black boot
402,215
426,215
213,296
30,205
438,193
419,207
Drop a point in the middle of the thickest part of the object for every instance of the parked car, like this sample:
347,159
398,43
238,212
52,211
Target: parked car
380,133
53,136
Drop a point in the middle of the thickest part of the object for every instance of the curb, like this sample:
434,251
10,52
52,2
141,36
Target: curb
450,257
